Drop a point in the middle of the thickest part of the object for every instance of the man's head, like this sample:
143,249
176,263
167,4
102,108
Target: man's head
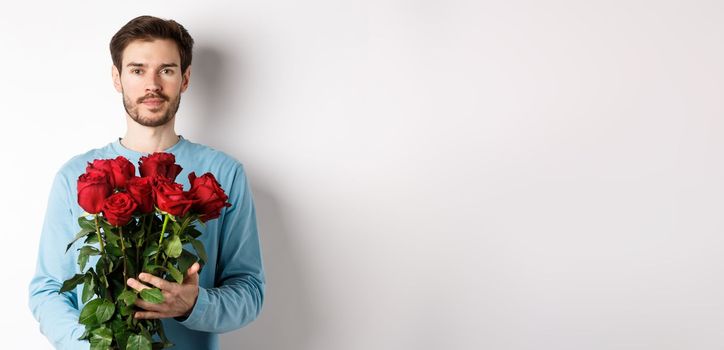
151,68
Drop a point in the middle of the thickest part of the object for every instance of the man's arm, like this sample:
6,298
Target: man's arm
239,297
57,313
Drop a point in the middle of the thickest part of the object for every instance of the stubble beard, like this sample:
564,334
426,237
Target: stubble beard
133,110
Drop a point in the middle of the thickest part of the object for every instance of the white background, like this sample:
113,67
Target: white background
428,174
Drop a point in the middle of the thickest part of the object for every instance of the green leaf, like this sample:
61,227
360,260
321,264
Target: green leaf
144,331
193,232
99,344
114,250
102,270
111,265
131,264
86,335
85,252
88,314
151,250
91,239
86,224
186,260
200,250
102,332
124,310
152,295
151,268
111,238
72,282
82,233
173,247
120,331
176,274
104,311
138,342
88,287
101,338
128,297
107,227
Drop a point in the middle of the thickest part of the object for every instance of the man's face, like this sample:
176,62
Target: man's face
151,81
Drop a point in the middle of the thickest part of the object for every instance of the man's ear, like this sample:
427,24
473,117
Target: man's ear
186,77
116,79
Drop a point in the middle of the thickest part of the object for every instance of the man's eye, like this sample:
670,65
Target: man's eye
167,71
136,71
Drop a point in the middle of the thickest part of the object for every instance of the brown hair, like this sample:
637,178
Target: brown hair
148,28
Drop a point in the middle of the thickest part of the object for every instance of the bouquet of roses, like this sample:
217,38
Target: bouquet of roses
136,224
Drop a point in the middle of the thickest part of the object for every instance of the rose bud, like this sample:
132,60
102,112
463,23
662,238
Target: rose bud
159,164
119,170
93,189
207,195
171,198
123,170
118,208
141,190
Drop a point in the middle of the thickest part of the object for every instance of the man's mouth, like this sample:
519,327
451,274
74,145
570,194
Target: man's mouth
152,102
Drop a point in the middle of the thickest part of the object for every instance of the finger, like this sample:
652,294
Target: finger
192,274
193,269
155,281
148,306
138,286
148,315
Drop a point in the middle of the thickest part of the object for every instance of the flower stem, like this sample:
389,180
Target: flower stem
123,249
138,246
98,232
183,227
160,239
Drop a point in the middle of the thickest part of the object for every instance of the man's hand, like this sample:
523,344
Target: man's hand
179,299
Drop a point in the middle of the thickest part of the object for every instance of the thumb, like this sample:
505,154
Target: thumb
192,274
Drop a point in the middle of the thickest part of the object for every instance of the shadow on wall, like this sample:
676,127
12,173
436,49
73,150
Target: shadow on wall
208,80
287,320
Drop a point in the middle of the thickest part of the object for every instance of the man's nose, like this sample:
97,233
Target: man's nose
153,83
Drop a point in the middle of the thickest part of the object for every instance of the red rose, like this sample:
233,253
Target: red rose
118,208
207,195
141,190
93,189
170,197
119,170
159,164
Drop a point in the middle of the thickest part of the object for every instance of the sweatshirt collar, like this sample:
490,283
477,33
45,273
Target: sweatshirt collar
131,154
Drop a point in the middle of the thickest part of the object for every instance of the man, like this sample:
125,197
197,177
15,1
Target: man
151,69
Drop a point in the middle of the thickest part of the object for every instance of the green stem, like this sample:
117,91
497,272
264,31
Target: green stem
123,249
160,239
138,247
98,232
180,231
103,255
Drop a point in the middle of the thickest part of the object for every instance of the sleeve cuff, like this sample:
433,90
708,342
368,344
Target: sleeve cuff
198,311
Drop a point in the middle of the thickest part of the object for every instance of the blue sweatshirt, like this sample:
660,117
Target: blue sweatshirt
231,284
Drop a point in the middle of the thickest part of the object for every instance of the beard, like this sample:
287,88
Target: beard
133,109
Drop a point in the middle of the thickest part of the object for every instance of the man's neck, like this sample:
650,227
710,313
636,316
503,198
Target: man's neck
145,139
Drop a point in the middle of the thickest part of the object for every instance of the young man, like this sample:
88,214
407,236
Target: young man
151,69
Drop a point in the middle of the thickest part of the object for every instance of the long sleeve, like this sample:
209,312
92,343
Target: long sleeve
57,313
238,295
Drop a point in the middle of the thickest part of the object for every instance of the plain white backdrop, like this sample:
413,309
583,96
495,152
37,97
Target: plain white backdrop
428,174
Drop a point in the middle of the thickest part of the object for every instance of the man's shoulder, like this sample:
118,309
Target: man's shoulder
76,165
212,157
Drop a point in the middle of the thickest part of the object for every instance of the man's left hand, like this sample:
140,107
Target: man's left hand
179,298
